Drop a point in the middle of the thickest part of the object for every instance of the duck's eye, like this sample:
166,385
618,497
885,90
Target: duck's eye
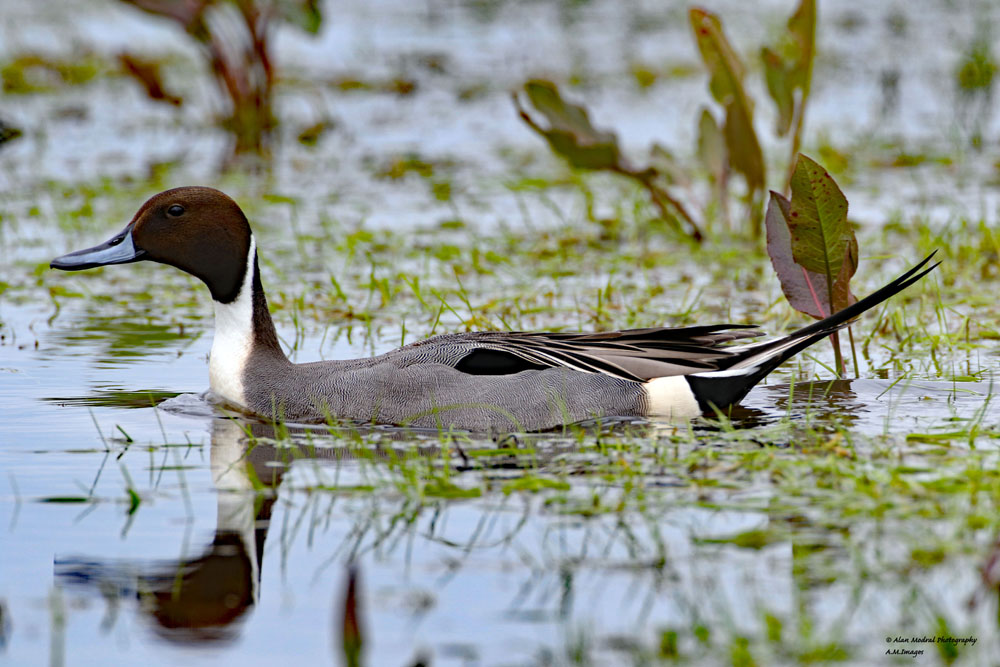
175,211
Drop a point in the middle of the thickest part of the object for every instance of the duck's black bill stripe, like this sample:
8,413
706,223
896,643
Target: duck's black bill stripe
120,249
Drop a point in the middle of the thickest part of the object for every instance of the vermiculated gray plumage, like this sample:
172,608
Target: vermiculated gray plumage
572,377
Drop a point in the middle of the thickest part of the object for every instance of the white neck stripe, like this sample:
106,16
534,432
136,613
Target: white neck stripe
233,338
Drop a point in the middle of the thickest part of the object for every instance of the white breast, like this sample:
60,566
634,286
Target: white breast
670,397
233,339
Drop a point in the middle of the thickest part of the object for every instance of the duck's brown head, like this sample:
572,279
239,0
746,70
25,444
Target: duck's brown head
196,229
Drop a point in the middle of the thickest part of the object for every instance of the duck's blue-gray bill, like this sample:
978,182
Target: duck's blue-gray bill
120,249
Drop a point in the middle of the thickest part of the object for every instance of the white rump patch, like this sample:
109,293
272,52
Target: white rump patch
233,339
670,397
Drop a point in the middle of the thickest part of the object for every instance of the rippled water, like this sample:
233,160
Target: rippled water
237,546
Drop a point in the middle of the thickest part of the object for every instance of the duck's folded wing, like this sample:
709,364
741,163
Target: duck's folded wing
633,354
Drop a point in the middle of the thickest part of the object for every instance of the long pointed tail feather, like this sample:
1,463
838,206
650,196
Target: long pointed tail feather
727,386
842,317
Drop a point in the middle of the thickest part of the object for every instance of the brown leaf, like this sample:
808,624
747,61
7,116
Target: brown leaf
186,12
147,73
351,635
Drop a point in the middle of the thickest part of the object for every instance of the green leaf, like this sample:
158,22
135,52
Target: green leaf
745,155
724,66
442,488
570,132
303,14
805,290
822,238
711,145
134,500
791,69
726,84
780,87
802,28
750,539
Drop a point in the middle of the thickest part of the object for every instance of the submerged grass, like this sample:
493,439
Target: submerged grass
845,513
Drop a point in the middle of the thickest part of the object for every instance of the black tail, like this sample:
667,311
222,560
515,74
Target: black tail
753,362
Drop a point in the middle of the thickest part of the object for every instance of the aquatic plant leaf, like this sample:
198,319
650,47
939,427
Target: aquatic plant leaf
745,155
793,72
821,234
186,12
726,85
147,73
303,14
802,28
711,145
724,67
805,290
571,135
780,87
570,132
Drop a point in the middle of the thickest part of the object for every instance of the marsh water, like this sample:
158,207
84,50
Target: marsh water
237,546
142,524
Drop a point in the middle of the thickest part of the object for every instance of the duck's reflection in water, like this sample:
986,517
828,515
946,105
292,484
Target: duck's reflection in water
200,599
204,599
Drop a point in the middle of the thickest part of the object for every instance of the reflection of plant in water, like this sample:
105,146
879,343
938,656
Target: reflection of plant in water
235,38
110,338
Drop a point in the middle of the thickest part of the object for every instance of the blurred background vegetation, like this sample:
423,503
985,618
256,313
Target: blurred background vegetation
664,118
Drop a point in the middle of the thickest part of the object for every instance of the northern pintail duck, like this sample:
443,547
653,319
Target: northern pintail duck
480,381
